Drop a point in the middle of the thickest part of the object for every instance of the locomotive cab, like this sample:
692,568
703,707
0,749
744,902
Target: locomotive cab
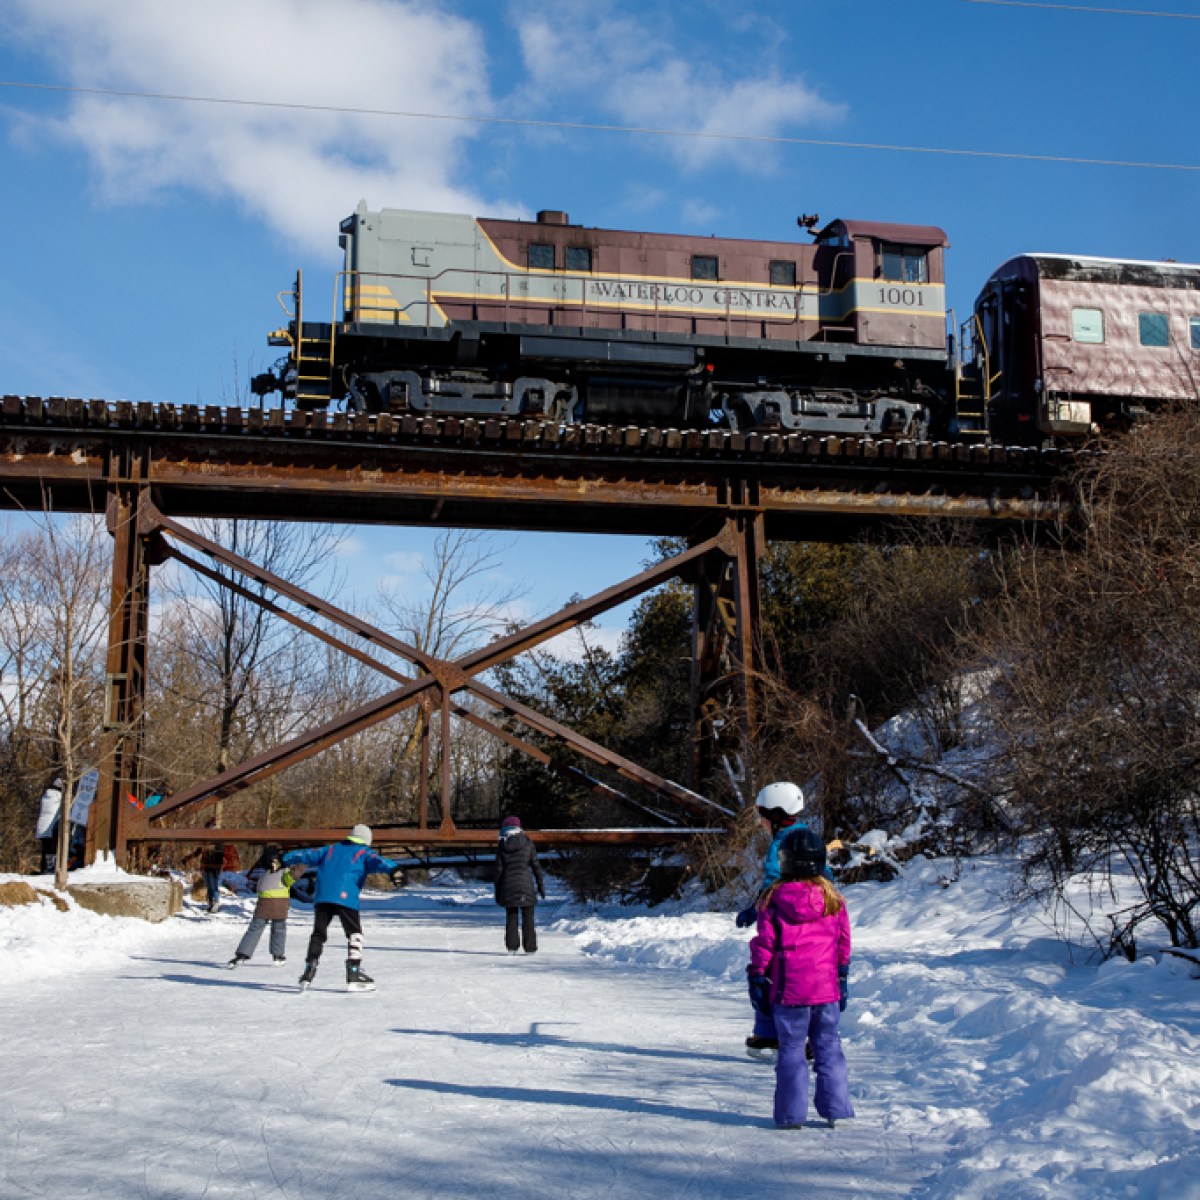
886,283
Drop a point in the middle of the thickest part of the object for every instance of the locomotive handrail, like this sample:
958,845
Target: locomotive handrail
988,377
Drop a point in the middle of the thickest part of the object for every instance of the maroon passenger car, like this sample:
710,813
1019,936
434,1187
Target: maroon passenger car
1067,346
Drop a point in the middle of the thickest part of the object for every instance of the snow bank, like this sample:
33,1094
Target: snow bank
40,941
1050,1074
1032,1069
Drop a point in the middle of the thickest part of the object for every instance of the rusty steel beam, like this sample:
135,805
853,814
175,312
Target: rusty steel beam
152,519
691,801
468,473
125,661
394,835
445,674
305,745
573,773
512,474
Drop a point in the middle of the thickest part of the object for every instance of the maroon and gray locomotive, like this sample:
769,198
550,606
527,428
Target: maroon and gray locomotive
444,314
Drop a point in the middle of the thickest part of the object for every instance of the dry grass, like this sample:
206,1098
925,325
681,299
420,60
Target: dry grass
13,894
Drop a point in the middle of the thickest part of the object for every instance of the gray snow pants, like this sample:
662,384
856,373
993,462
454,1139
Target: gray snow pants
249,942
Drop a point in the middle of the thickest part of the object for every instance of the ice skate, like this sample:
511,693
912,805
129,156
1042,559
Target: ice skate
357,980
310,973
236,961
762,1049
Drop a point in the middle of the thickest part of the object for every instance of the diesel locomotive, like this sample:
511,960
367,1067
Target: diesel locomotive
849,334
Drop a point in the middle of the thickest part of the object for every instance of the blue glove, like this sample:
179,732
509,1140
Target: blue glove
748,916
843,986
760,994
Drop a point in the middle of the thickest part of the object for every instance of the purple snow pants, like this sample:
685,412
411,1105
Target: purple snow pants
817,1024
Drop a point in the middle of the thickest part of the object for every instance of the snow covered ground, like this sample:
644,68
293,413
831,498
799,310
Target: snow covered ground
987,1060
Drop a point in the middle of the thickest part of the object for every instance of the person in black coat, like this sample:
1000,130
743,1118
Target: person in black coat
519,882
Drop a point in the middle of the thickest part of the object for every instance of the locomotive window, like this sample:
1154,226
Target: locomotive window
704,266
579,258
905,264
1152,329
1194,325
541,256
1087,325
783,273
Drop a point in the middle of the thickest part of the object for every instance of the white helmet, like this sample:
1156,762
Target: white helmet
785,796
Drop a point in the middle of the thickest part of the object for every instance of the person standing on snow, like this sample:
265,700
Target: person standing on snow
273,882
342,869
213,860
46,830
798,960
779,807
519,882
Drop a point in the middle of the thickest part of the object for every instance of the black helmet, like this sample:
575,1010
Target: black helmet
801,855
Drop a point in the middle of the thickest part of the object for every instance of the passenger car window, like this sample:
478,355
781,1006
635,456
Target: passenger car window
704,266
783,273
1194,325
541,256
579,258
1152,329
1087,325
905,264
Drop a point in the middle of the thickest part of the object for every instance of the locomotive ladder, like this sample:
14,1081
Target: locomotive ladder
313,356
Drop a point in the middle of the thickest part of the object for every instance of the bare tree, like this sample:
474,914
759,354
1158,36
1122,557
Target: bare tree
231,663
1098,642
463,608
53,619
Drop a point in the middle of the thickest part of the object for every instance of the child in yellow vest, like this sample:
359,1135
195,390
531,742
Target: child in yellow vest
273,886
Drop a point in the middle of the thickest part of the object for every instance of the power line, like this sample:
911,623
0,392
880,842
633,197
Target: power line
1089,8
643,131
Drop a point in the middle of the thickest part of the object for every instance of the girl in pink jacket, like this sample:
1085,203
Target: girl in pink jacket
797,960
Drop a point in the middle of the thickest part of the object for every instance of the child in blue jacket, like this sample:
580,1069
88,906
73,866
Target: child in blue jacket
780,806
342,869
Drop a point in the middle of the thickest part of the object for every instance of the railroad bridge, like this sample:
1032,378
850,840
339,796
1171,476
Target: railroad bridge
724,494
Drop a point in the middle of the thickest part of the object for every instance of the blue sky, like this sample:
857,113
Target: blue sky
147,239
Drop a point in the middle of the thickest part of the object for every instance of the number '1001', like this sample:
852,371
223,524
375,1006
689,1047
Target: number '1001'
906,296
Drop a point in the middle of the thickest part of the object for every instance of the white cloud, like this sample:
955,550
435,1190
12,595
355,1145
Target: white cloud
404,564
569,646
302,171
351,547
619,62
697,214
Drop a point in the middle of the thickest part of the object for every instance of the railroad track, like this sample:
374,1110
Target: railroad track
525,437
